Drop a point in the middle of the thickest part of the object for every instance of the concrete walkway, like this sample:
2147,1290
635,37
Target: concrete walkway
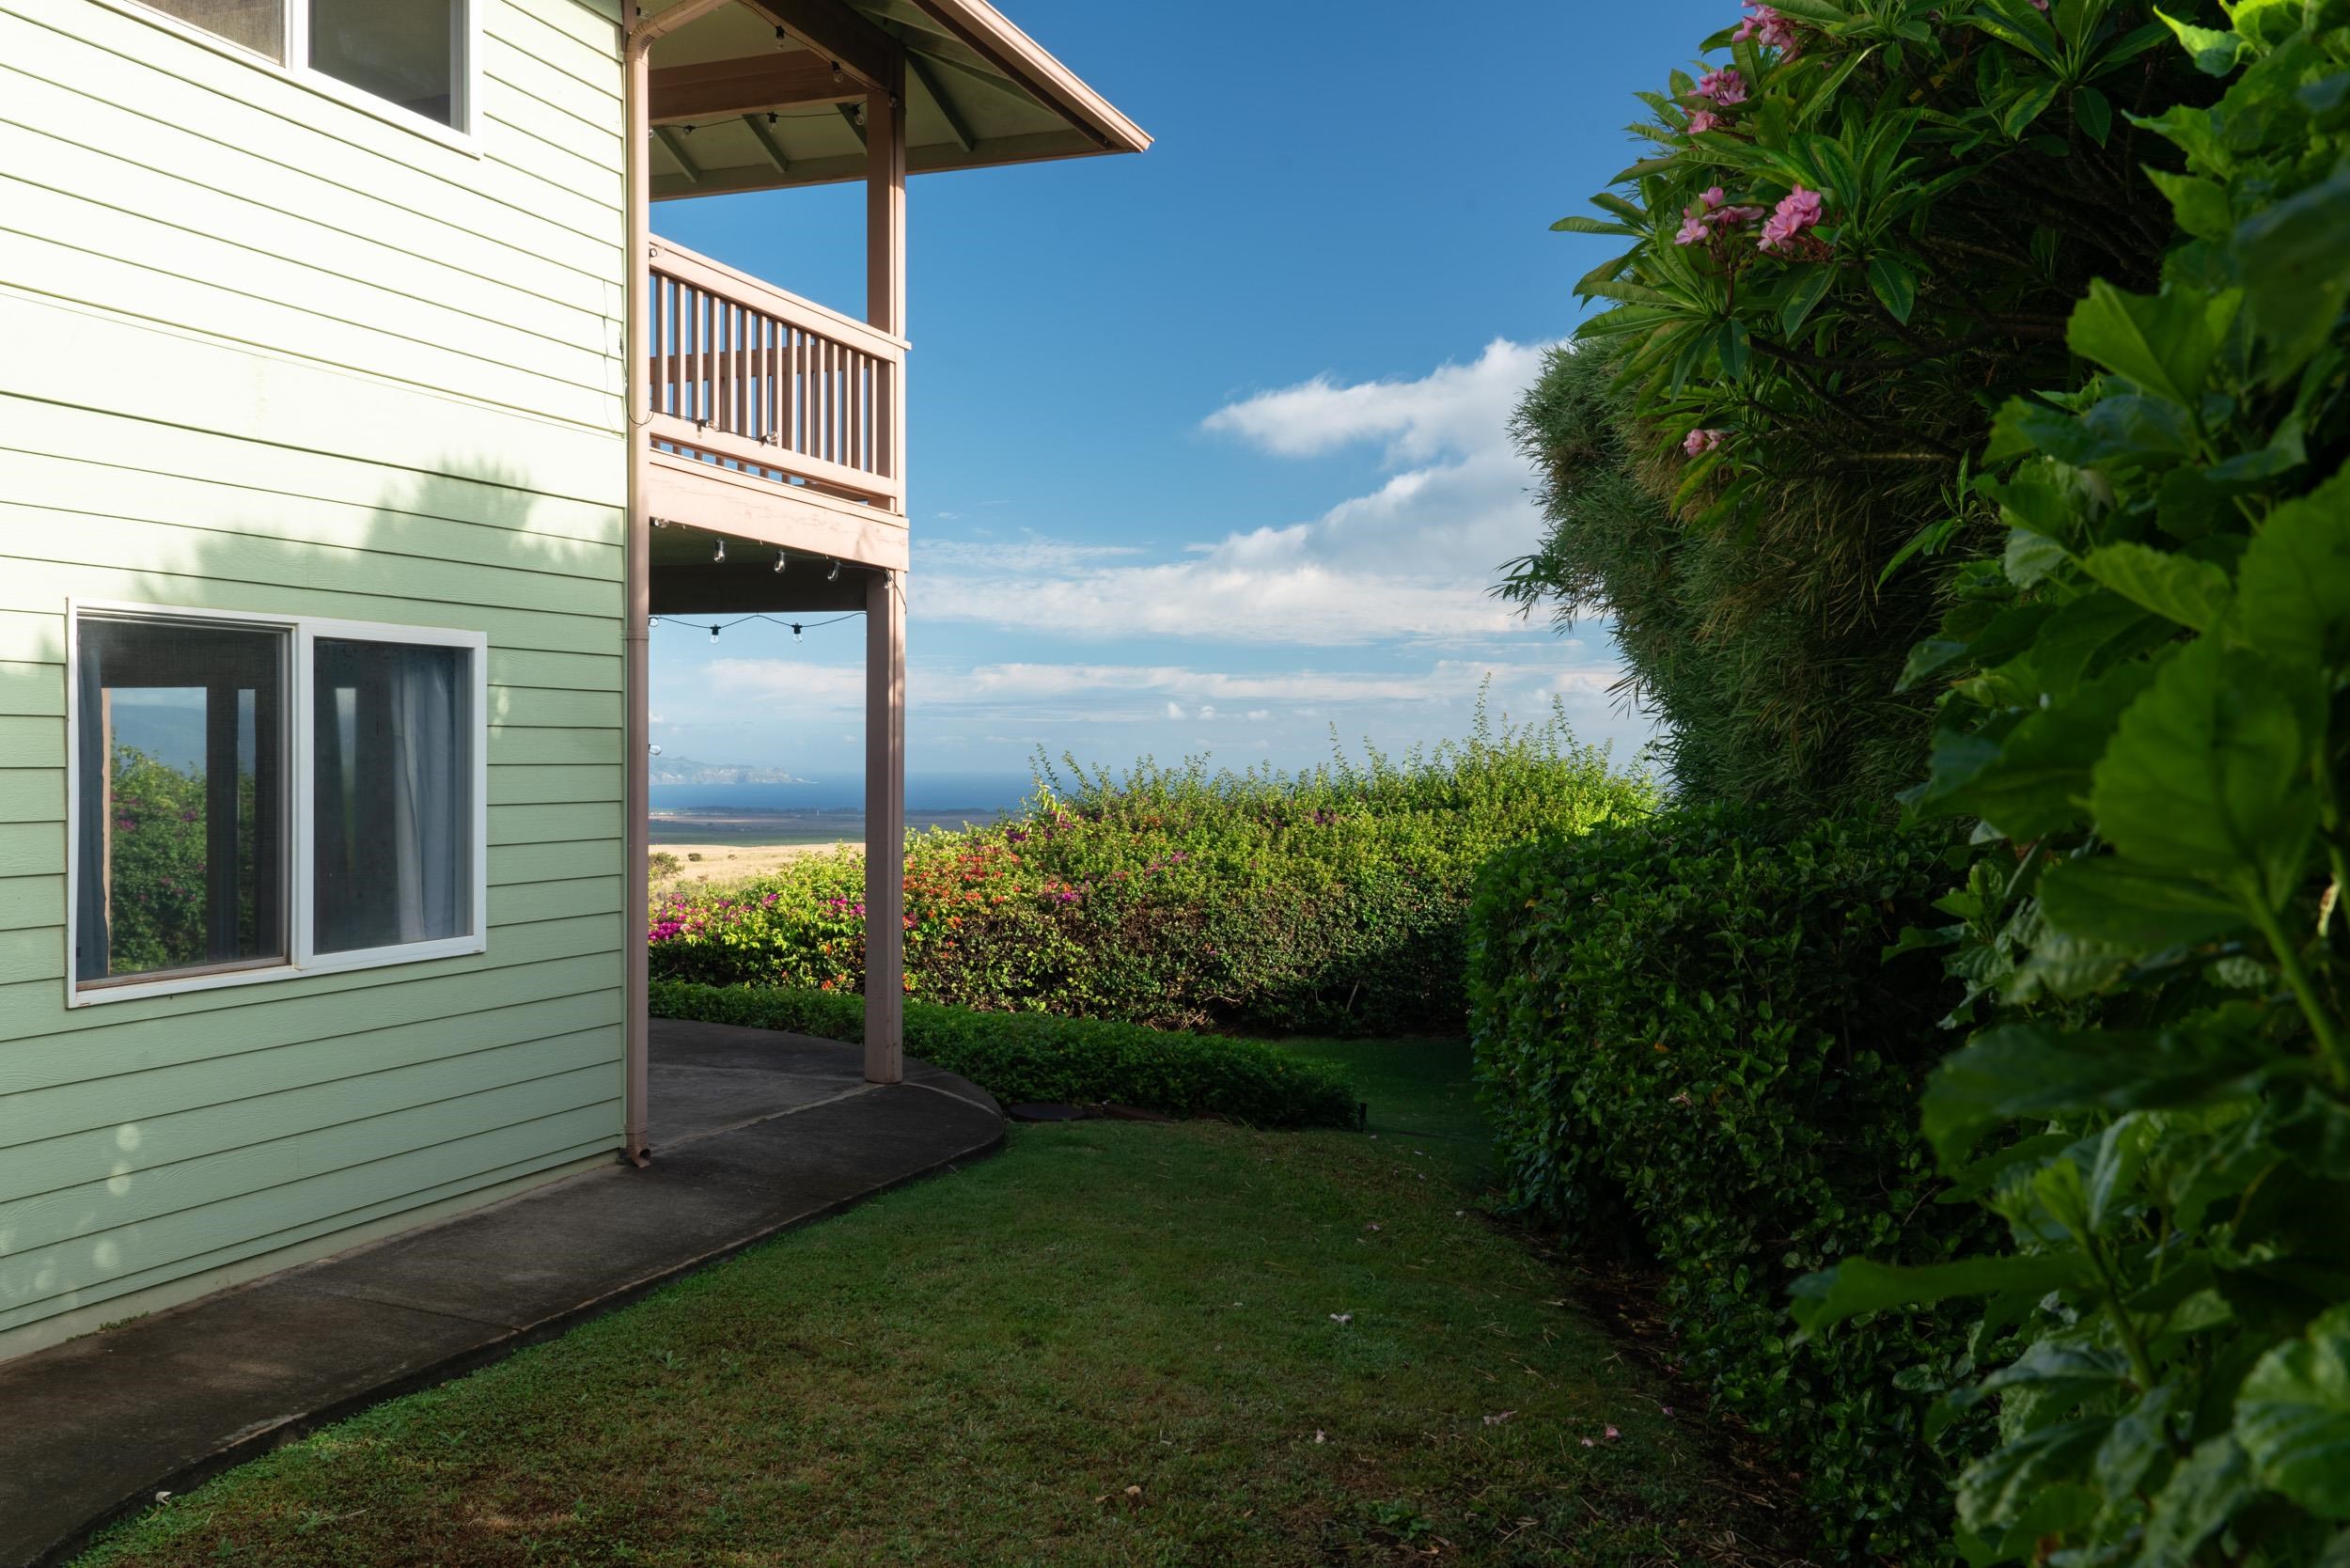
752,1133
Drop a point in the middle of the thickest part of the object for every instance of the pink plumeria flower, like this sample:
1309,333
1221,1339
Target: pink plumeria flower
1732,217
1704,120
1692,227
1702,441
1797,211
1773,31
1723,88
1612,1434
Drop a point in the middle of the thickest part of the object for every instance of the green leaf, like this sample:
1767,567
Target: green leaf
2292,260
1996,1490
2093,112
2201,205
2036,780
2209,773
2293,1417
2293,581
2113,900
2029,557
2164,342
2189,591
2030,101
2197,1502
1577,224
1810,285
1857,1285
2033,1073
1896,288
2213,50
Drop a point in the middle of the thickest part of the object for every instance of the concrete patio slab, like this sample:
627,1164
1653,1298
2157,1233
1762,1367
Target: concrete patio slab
764,1131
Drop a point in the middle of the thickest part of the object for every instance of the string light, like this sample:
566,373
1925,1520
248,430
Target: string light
720,555
782,560
714,627
834,575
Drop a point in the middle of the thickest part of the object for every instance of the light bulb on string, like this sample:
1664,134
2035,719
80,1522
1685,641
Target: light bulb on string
719,556
834,575
714,634
782,560
795,631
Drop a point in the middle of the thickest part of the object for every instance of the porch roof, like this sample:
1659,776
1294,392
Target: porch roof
761,94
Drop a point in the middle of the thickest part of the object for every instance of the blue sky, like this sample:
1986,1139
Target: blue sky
1207,445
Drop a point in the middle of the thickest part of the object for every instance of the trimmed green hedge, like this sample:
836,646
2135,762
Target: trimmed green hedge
1694,1051
1023,1057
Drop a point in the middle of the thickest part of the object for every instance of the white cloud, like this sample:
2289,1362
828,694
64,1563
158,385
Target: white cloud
1174,710
1412,559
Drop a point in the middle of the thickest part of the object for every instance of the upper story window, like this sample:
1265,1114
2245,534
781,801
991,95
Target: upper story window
408,53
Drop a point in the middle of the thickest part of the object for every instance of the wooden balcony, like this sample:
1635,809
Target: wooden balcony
772,418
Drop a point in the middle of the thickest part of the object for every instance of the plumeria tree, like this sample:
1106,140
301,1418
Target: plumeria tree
1860,228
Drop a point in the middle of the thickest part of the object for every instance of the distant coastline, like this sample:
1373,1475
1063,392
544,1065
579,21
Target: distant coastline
818,812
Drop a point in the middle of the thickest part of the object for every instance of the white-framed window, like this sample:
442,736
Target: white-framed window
417,58
251,797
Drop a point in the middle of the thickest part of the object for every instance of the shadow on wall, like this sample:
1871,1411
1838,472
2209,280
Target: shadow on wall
144,1138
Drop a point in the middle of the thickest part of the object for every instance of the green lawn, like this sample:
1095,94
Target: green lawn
1115,1342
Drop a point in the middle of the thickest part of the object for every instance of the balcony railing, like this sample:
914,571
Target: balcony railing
756,380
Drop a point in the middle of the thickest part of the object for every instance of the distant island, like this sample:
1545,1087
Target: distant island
685,769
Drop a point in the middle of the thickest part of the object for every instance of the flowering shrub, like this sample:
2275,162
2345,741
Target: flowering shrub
1329,900
1038,1058
2144,715
1856,233
1690,1051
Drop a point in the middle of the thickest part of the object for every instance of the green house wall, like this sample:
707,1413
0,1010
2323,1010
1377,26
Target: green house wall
263,350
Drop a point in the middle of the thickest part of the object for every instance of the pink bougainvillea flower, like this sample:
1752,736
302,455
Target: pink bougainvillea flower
1704,119
1797,211
1773,31
1722,87
1702,441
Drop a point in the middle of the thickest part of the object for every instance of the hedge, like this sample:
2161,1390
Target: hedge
1692,1051
1034,1057
1331,901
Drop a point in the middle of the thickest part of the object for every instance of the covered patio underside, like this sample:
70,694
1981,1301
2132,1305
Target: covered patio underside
758,1132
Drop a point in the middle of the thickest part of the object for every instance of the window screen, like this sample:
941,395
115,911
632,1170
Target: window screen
391,743
181,821
258,24
407,51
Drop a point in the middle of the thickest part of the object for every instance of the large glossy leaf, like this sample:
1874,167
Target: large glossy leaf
2032,1072
2293,260
2293,1417
2294,577
2201,1495
2189,591
1856,1285
2037,778
1896,286
1995,1492
2136,907
2209,773
2164,342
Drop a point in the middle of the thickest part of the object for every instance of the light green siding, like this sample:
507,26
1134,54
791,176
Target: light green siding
261,351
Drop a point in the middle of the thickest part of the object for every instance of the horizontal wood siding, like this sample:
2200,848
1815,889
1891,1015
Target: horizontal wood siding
265,351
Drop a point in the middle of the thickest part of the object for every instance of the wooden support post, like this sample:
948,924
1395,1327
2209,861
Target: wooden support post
885,827
636,605
886,600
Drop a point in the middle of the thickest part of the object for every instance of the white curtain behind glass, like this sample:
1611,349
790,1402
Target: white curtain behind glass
393,794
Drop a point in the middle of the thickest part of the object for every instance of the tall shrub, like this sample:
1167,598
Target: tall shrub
1690,1051
1857,232
2145,707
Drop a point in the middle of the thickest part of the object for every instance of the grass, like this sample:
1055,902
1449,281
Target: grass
1113,1343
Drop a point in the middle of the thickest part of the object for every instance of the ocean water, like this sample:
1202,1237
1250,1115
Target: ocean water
821,809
